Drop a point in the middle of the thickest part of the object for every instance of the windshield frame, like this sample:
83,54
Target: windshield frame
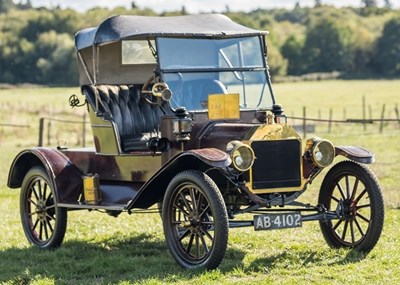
262,67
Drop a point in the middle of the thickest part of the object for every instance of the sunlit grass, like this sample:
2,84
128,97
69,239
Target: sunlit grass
99,249
338,95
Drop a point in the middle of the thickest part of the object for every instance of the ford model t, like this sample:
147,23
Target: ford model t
184,117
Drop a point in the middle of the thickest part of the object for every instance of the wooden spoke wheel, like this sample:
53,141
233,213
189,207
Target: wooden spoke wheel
43,222
195,220
353,189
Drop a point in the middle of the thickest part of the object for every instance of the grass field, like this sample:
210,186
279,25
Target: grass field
99,249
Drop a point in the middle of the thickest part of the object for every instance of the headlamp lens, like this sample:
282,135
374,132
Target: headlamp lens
242,155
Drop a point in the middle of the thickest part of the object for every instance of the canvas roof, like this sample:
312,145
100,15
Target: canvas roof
147,27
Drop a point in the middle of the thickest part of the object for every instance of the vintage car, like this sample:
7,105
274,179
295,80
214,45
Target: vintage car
184,120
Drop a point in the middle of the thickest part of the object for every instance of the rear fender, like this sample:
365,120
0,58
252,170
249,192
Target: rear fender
355,153
64,175
199,159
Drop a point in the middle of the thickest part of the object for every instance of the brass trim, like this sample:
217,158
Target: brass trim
276,132
278,190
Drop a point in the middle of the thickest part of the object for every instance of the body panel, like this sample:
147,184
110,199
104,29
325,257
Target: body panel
65,176
356,153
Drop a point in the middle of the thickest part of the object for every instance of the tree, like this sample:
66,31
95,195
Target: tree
292,51
183,10
24,6
361,48
17,60
55,59
387,51
326,48
388,4
296,15
6,5
369,3
38,23
276,62
318,3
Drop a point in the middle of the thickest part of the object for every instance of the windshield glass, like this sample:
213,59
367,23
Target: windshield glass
196,68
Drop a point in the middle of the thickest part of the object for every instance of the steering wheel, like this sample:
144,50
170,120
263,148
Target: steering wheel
158,93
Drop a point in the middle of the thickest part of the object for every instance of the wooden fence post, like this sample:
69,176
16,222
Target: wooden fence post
370,112
396,110
41,129
364,113
330,121
382,118
49,133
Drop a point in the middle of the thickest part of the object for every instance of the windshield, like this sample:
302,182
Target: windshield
196,68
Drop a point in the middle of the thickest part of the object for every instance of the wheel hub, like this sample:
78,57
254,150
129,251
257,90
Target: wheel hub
349,209
41,210
193,223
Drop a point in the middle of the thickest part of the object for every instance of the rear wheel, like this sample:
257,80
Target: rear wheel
43,222
195,220
354,190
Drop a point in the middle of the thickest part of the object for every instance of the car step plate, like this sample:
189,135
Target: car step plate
276,221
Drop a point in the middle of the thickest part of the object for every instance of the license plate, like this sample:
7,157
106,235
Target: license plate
277,221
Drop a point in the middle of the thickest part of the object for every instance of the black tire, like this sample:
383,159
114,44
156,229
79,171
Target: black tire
195,220
357,189
44,224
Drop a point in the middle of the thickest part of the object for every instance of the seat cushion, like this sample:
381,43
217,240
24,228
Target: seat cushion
136,120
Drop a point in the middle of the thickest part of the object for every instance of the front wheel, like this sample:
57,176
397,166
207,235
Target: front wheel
195,220
353,189
43,222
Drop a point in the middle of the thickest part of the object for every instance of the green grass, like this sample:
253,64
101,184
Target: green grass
130,249
98,249
338,95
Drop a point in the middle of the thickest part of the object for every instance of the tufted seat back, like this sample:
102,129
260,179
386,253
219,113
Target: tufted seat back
134,119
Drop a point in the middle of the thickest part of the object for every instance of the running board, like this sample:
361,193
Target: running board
116,207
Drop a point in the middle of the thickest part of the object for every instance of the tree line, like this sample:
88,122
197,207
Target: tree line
37,44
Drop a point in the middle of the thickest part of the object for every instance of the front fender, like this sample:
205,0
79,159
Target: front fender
356,153
65,176
199,159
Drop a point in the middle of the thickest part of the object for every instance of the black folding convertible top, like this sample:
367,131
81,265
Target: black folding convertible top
130,27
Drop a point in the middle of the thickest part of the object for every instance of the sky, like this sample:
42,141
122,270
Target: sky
194,6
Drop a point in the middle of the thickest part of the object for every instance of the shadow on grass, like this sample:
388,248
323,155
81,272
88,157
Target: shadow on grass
133,259
304,258
142,258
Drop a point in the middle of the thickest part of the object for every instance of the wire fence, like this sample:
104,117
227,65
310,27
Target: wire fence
303,124
42,128
305,127
14,125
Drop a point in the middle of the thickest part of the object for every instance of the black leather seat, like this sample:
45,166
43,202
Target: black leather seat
136,121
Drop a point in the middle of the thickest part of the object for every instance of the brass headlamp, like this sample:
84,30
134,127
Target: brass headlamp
320,151
242,155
